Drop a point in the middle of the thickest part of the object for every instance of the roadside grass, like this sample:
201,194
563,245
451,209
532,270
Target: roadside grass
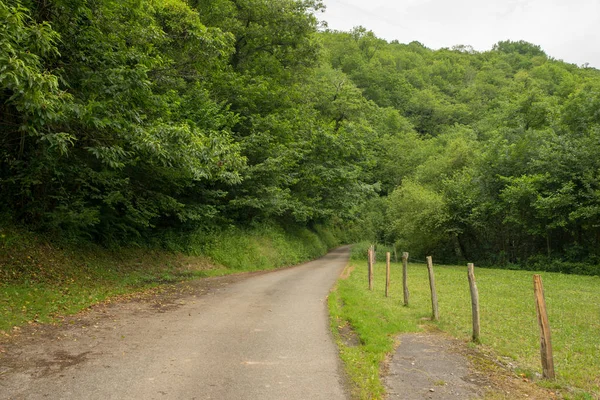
508,321
263,247
41,281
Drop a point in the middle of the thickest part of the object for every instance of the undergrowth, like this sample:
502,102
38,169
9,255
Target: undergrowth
41,280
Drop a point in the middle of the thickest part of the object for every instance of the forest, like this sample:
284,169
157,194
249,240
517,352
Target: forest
140,121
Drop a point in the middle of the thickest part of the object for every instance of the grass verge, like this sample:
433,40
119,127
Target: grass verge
41,281
508,321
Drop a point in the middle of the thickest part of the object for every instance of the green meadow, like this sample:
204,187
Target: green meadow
509,327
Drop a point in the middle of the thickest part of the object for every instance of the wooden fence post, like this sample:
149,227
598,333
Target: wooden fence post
370,267
474,301
387,273
405,277
434,301
374,254
545,340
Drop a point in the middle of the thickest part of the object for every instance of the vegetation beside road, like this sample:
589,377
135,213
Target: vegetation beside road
42,281
509,328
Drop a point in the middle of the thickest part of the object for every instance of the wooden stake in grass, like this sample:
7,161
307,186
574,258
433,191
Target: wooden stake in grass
545,340
405,277
373,262
387,273
374,254
370,267
434,301
474,301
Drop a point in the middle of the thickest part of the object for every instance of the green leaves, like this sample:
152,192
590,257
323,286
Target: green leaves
131,125
161,114
27,87
420,216
121,120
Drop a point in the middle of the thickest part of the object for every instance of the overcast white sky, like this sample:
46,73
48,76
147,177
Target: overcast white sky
568,30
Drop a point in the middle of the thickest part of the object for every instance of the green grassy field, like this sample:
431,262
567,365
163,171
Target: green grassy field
508,320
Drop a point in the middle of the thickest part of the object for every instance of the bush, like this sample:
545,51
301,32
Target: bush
544,263
359,251
264,246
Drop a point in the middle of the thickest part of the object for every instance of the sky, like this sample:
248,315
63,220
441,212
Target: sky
567,30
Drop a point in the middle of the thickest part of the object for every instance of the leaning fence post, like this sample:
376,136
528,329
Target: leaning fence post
434,301
405,277
474,301
387,273
545,340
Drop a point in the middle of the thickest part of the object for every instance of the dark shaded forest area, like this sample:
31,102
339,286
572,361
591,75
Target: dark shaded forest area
140,121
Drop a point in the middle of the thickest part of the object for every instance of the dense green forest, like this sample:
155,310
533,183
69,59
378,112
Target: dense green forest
143,120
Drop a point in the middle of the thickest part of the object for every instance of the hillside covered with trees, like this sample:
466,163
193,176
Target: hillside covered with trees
143,120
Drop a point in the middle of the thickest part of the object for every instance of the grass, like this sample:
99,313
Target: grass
264,247
508,321
41,281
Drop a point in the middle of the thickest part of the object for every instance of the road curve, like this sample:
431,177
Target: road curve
265,337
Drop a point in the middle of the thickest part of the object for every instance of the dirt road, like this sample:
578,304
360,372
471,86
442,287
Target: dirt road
262,337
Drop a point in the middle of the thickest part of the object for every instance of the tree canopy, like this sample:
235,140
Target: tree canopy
121,121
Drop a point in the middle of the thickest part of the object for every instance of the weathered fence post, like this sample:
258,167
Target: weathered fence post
387,273
374,254
545,340
405,277
434,300
474,301
370,267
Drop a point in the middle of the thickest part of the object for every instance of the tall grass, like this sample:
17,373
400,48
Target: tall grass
263,247
508,319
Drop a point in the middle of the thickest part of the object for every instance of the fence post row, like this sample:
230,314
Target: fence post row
434,301
405,277
474,301
538,287
545,340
